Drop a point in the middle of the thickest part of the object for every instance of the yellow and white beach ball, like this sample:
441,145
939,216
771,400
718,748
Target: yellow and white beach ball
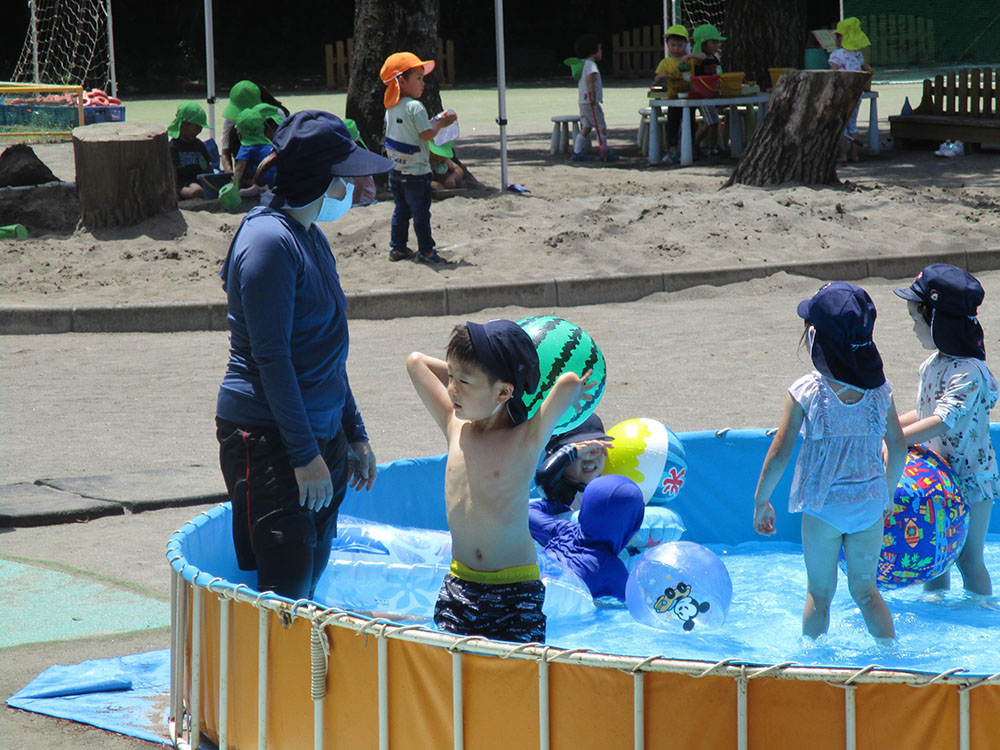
639,452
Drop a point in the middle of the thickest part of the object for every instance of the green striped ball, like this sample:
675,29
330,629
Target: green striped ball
564,347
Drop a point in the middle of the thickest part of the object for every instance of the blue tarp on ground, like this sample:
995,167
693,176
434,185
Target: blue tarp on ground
127,694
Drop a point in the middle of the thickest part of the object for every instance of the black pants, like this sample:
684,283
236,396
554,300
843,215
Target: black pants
288,544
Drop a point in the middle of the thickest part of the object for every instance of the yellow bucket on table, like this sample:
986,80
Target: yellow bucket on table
776,73
731,84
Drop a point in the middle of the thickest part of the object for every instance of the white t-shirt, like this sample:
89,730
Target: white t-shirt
403,125
589,66
847,59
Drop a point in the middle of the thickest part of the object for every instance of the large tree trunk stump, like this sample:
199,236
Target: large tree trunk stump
123,173
799,140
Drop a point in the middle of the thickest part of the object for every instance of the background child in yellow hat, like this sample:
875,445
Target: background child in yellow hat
671,70
850,41
407,131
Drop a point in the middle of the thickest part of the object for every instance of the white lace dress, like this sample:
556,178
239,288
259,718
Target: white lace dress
839,475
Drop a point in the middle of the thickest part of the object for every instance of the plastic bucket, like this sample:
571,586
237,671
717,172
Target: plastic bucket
776,73
229,196
817,58
704,87
13,232
211,182
731,84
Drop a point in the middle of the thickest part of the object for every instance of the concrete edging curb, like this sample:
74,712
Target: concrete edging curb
456,300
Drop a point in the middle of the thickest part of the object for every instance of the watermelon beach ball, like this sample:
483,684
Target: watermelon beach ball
650,455
564,347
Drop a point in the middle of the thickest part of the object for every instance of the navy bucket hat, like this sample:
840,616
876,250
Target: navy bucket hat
592,428
844,318
953,296
507,352
312,148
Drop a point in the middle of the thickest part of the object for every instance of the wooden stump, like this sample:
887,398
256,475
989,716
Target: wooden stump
123,173
799,140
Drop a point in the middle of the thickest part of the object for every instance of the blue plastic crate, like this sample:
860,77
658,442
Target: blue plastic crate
103,114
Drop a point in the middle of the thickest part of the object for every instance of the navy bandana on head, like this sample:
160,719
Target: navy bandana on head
507,352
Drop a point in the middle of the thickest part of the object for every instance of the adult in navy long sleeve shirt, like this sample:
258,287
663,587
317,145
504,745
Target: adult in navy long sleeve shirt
290,433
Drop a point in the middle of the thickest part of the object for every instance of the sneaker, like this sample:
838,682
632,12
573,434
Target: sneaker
580,156
395,255
957,148
674,157
610,156
943,149
432,258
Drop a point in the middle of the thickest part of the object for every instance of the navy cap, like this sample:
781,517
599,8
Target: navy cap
953,296
592,428
507,352
313,147
844,318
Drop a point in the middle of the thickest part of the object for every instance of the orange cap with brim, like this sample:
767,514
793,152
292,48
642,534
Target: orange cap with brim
394,66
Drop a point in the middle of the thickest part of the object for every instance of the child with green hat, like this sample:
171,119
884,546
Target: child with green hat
707,41
445,172
671,70
188,152
254,148
850,41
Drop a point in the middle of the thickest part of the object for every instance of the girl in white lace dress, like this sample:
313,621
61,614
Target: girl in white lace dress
955,395
844,409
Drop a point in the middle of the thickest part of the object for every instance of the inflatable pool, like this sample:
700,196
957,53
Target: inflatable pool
245,664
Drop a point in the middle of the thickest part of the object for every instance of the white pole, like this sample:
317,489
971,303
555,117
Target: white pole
34,38
667,23
210,69
111,54
501,94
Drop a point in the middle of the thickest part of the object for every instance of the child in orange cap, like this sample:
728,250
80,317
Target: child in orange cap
407,131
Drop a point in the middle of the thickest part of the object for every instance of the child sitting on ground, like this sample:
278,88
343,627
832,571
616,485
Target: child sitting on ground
707,41
407,131
841,486
850,40
254,148
611,512
590,94
671,71
446,173
475,396
572,461
187,151
956,393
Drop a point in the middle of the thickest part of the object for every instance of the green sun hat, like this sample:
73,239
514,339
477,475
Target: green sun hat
352,128
243,95
705,32
575,67
187,112
270,112
677,30
250,126
447,150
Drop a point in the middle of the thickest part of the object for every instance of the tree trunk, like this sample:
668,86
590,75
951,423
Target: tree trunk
764,34
123,173
800,136
382,27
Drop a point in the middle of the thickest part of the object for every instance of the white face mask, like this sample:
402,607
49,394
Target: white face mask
332,208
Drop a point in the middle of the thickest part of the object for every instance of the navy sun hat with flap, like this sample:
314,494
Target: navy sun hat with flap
592,428
844,318
312,148
953,296
507,352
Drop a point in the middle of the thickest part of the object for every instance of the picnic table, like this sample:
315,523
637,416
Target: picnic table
735,122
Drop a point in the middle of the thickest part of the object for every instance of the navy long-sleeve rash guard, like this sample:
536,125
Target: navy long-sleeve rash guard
288,335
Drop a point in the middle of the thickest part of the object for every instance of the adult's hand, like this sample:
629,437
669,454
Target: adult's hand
315,486
361,468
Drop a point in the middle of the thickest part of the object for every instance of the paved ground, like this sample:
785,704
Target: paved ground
99,410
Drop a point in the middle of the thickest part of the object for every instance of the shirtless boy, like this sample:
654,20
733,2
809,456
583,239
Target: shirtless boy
493,589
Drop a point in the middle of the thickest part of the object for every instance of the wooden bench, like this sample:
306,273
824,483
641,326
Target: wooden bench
962,106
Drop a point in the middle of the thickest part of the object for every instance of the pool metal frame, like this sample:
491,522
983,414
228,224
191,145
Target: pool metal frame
191,691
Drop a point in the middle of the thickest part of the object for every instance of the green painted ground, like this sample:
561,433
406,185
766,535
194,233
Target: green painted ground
38,604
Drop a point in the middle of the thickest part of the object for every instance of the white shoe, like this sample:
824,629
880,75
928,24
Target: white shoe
943,149
957,148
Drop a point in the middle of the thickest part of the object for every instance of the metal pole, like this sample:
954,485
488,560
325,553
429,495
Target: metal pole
34,39
501,94
210,68
111,54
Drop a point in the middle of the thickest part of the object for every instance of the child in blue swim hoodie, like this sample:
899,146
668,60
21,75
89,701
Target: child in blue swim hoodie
611,512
